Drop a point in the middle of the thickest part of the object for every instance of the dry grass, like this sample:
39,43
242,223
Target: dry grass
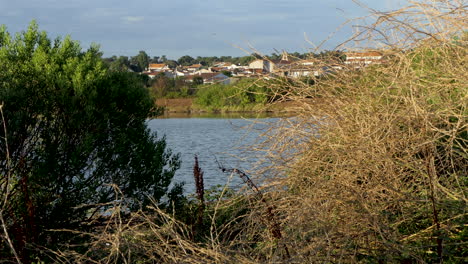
379,173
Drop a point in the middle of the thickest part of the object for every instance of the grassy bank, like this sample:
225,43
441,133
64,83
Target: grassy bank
187,105
246,95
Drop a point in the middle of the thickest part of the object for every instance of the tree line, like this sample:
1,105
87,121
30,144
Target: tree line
140,62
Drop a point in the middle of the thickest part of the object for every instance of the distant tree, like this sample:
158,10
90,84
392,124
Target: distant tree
257,55
200,60
163,59
121,64
296,55
246,60
74,129
186,60
275,56
206,61
331,55
140,61
226,58
155,59
109,60
171,63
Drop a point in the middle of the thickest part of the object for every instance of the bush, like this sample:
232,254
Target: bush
376,169
74,134
241,95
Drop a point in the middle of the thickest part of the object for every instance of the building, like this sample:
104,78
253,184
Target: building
361,59
193,67
153,74
261,65
214,77
157,67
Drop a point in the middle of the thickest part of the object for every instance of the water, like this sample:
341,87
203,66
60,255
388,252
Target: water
213,140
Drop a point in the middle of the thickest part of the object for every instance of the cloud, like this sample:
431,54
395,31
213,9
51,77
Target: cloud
133,19
187,27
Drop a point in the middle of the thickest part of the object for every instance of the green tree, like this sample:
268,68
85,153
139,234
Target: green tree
171,63
161,85
226,58
74,130
246,60
120,64
186,60
140,61
155,59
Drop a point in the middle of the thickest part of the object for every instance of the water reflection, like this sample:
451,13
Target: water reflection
229,115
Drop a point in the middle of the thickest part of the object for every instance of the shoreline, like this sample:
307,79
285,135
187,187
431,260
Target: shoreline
185,106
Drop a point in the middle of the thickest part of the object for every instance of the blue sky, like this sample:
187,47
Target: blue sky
185,27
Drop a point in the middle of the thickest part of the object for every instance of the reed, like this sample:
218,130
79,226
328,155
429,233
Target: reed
200,192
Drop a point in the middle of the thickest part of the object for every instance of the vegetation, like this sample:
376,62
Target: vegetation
242,95
162,86
373,170
72,134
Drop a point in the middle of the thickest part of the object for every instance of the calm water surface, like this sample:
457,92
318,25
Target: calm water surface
211,139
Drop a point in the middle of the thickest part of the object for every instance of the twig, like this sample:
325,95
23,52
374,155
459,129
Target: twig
275,228
6,189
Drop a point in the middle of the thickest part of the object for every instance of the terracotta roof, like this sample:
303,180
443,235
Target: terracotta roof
156,65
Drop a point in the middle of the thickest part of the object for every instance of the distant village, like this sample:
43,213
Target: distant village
288,66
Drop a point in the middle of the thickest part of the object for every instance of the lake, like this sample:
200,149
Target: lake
213,140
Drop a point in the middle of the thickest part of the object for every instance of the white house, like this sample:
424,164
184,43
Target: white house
359,59
263,65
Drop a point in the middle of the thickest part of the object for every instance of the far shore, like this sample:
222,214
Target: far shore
185,107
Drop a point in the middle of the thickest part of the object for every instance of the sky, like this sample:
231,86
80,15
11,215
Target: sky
187,27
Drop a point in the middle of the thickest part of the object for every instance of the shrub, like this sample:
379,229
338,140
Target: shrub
73,132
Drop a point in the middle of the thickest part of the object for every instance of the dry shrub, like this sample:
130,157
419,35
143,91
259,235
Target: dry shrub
150,236
375,166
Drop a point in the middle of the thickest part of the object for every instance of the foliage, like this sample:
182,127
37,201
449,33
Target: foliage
373,169
197,80
74,133
120,64
227,73
140,62
164,87
243,93
186,60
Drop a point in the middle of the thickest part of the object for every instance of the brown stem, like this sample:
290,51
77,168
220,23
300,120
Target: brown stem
274,226
432,177
200,190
